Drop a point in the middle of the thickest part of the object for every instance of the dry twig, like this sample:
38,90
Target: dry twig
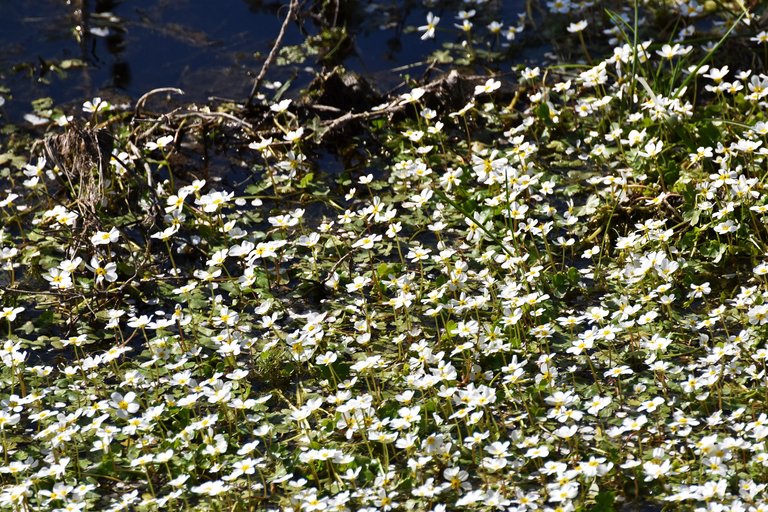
144,97
448,81
273,53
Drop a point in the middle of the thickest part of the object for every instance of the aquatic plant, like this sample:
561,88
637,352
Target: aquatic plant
542,289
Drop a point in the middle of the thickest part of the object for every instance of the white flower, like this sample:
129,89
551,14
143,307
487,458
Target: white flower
538,452
559,6
358,284
489,86
367,242
105,237
106,272
429,28
10,313
8,199
96,105
159,143
261,145
294,135
729,226
211,488
597,404
574,28
670,52
58,278
140,322
166,233
281,106
213,200
651,405
654,471
652,149
761,37
124,405
413,96
8,419
699,290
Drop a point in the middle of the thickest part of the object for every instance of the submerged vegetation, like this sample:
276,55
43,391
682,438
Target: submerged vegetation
530,287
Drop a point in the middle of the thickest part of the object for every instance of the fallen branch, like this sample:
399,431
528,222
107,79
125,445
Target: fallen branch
448,81
334,124
216,115
273,53
143,99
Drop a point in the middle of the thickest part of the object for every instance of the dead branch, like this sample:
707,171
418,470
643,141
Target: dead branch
145,97
448,81
273,53
214,115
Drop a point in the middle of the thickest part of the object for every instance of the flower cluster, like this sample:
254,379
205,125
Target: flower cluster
551,299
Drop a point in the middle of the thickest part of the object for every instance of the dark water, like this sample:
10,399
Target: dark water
206,48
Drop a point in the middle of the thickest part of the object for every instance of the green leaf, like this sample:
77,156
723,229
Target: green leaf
42,104
442,57
708,135
27,328
306,180
15,160
692,216
689,240
378,124
671,174
449,328
560,284
383,269
713,250
604,502
543,113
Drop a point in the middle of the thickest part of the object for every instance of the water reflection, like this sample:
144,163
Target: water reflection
202,47
115,43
